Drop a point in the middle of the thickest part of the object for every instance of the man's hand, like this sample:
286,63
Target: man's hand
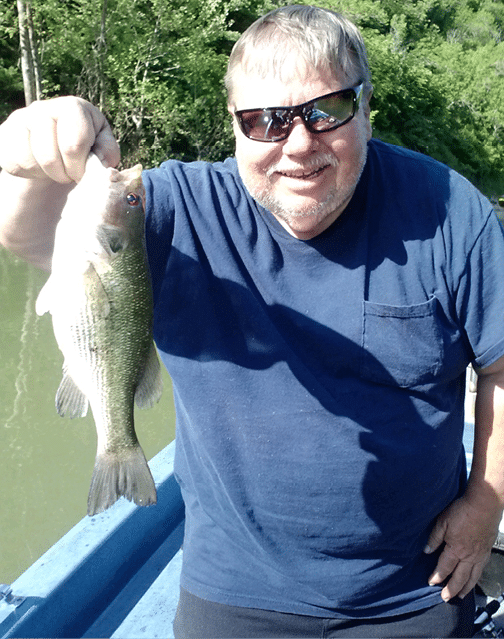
468,532
53,138
43,152
468,527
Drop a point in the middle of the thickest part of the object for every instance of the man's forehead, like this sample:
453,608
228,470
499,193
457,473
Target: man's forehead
283,65
252,88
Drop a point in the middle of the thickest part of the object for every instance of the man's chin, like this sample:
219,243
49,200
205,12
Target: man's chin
305,219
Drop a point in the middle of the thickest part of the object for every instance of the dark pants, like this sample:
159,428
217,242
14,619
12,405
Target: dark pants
200,619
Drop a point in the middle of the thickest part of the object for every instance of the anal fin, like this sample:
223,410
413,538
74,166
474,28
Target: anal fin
150,388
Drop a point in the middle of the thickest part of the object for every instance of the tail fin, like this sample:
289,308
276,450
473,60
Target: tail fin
123,474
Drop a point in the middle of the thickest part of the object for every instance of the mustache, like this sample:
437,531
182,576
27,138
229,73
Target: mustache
311,165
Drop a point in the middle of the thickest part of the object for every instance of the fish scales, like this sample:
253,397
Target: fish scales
99,295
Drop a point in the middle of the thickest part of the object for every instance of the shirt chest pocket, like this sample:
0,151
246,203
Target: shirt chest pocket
402,345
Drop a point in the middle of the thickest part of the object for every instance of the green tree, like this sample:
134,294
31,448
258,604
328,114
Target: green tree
11,81
156,66
438,72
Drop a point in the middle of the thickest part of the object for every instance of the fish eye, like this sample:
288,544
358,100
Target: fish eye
133,199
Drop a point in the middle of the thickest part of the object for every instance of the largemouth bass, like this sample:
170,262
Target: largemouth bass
100,298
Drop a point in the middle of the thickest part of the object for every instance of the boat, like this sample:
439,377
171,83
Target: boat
117,574
112,575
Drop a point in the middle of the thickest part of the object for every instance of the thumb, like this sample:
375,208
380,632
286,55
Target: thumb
105,145
436,537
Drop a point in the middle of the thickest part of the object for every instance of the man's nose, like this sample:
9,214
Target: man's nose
300,138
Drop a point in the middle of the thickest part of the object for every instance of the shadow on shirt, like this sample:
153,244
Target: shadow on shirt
254,368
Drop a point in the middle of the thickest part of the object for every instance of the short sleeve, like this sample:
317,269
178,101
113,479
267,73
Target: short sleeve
480,295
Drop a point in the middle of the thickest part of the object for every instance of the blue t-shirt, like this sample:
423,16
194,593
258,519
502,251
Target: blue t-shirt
319,385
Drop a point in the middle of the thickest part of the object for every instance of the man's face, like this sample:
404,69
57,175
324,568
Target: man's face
307,180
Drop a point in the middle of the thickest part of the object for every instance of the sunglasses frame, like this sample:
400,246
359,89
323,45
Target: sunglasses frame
304,111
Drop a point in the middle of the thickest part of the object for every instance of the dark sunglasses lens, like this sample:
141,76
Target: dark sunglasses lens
324,114
250,122
332,112
265,124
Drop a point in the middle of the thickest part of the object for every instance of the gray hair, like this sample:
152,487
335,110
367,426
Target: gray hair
325,40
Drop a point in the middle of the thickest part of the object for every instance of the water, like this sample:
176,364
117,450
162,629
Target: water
46,461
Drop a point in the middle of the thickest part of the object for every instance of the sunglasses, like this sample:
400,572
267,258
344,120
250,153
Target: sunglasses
322,114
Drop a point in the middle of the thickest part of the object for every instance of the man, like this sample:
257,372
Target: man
317,301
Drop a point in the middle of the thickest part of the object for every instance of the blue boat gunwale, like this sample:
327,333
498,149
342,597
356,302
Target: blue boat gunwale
69,587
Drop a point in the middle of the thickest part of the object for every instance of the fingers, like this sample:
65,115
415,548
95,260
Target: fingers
44,145
54,138
436,538
446,564
449,564
15,152
105,145
471,582
463,574
463,579
62,133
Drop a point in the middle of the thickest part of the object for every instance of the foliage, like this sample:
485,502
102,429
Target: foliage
11,82
438,71
156,66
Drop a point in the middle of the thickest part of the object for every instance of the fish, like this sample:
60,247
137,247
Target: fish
99,295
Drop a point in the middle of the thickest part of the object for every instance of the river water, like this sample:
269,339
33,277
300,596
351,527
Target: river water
46,461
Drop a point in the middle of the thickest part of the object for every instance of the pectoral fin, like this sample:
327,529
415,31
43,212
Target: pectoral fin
150,388
43,303
96,293
70,400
